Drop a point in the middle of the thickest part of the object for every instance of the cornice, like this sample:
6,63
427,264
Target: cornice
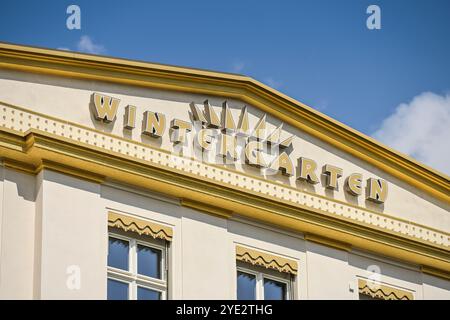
328,242
297,114
204,207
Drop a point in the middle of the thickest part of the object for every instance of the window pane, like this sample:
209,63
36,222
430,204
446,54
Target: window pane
274,290
149,261
118,253
117,290
246,286
148,294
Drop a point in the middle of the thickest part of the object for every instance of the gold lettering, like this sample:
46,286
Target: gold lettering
105,107
286,143
253,155
211,116
154,124
307,170
180,129
274,137
354,182
243,125
283,163
198,114
228,147
260,129
130,117
227,119
205,138
332,173
377,190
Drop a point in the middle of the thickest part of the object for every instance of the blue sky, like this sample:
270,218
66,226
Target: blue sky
318,52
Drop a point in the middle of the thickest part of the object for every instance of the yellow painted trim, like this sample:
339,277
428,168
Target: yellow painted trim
384,292
139,226
266,260
436,272
328,242
299,115
75,172
50,165
19,166
220,212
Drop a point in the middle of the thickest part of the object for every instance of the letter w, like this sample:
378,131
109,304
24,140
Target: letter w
105,107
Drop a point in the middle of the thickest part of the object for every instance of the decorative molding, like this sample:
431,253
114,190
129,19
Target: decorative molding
436,272
328,242
299,115
266,260
379,291
220,212
74,172
29,137
53,166
141,227
19,166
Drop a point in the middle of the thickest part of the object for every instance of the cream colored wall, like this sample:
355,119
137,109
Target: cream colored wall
207,256
71,229
328,275
435,289
70,98
17,200
73,232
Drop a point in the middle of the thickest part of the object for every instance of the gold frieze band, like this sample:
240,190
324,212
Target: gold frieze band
384,292
141,227
266,260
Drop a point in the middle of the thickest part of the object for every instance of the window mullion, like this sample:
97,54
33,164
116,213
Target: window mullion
134,268
260,285
131,276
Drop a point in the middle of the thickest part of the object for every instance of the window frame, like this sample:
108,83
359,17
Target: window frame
261,274
131,276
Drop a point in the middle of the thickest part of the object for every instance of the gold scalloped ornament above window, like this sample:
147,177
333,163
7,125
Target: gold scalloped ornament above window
139,226
378,291
266,260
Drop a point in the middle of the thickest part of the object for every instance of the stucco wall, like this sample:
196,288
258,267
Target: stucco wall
17,215
71,215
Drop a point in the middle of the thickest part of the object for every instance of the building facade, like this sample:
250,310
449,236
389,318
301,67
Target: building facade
129,180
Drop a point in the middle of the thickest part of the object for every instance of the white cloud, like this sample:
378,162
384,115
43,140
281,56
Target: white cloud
63,48
87,45
421,129
238,66
272,82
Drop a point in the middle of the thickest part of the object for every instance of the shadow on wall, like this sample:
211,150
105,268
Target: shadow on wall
408,273
25,183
